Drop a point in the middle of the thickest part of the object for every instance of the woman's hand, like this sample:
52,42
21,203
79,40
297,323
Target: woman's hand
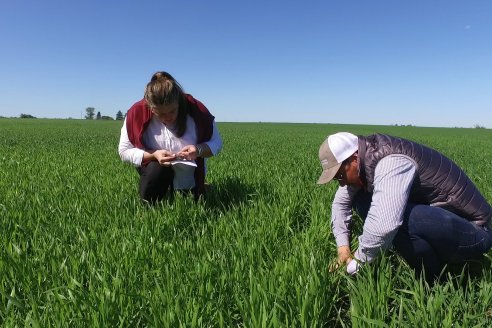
164,157
189,152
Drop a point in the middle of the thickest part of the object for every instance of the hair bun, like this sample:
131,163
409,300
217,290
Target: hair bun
161,76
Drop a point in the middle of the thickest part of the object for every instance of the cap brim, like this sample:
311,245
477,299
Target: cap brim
328,174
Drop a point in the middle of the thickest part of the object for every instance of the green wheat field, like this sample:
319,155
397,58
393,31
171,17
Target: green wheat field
78,248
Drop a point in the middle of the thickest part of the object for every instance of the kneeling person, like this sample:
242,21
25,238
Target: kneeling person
410,196
167,136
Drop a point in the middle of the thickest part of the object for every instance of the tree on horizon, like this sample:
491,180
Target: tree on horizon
89,113
26,116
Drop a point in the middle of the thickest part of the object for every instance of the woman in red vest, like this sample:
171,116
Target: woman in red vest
167,136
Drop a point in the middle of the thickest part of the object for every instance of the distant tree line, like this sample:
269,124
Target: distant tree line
90,113
26,116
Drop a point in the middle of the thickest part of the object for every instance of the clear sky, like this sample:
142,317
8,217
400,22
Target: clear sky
419,62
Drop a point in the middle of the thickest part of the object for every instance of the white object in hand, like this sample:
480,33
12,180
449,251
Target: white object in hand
183,161
353,267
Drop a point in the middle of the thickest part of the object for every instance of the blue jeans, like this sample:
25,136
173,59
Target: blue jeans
431,237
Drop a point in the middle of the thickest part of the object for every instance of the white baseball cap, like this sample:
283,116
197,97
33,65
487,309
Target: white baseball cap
333,151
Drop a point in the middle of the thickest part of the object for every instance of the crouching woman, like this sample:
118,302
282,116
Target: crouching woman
167,136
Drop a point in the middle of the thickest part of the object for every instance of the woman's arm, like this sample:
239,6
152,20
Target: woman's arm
136,156
214,145
206,149
127,151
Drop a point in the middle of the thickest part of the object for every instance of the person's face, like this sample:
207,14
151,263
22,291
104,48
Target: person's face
167,114
348,174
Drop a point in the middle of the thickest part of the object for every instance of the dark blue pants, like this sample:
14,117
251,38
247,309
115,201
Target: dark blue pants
431,237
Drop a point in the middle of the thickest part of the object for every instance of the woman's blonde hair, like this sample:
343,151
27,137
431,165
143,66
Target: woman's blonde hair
163,89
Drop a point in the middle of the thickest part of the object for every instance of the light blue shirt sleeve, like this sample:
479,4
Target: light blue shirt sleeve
393,179
341,214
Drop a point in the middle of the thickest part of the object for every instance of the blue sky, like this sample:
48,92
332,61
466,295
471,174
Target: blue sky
426,63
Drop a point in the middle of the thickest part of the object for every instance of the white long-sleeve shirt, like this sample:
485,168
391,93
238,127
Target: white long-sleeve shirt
393,178
158,136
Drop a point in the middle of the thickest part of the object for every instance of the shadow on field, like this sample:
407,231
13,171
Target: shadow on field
228,193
